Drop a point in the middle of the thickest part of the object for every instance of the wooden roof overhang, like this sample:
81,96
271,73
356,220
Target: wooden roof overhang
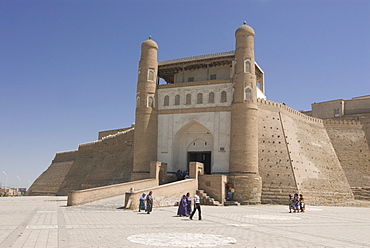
167,69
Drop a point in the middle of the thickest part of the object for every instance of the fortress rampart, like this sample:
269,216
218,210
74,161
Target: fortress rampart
48,183
351,145
296,155
212,109
103,162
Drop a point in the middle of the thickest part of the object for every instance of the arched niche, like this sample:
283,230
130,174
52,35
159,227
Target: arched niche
192,139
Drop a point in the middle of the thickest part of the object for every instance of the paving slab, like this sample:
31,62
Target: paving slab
46,221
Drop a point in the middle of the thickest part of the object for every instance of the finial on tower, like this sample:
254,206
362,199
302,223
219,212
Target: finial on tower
150,37
245,30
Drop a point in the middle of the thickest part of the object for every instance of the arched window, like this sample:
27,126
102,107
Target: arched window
150,102
166,101
248,95
138,102
223,96
151,75
211,97
247,66
177,100
199,98
188,99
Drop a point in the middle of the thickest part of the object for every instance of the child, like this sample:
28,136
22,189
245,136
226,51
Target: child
302,206
291,203
296,203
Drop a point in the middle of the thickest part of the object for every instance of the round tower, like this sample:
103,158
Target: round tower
146,124
244,122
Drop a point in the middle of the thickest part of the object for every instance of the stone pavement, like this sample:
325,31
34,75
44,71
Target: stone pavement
45,221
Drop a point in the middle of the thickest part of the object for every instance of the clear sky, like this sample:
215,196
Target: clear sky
68,68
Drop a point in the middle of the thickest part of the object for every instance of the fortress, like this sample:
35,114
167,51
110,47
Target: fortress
212,109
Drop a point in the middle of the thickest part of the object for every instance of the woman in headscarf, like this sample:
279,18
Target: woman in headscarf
188,200
149,203
182,210
142,202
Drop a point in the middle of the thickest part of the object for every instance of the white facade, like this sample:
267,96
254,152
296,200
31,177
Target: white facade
205,90
180,133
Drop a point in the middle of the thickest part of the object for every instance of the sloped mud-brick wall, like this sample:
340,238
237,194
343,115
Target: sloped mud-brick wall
104,162
49,182
304,161
352,148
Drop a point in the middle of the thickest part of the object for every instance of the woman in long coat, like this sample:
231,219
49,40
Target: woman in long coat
149,203
142,202
182,210
188,200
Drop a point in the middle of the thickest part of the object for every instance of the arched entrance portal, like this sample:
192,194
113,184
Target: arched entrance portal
193,143
203,157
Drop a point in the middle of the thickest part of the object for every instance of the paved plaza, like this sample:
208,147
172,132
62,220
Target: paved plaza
46,221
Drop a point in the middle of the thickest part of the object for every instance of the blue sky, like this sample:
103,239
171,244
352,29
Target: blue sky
68,69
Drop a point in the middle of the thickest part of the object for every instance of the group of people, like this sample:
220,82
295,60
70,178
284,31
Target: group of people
182,175
184,208
296,203
146,202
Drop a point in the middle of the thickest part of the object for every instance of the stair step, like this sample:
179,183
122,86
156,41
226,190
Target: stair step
205,199
231,203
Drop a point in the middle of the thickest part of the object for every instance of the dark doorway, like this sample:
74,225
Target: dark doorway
202,157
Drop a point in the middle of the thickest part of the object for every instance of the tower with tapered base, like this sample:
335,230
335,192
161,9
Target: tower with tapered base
146,121
243,170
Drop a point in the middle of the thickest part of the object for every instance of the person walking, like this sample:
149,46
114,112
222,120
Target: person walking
142,202
188,200
183,210
149,203
196,206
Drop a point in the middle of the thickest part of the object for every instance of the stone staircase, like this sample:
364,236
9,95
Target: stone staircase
205,199
277,195
361,193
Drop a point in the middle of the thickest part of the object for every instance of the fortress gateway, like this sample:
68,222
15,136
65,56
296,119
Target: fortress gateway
212,109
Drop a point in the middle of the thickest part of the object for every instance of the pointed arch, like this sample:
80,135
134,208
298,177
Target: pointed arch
150,101
248,93
211,97
223,96
137,101
166,101
192,137
188,99
247,66
177,99
151,74
199,98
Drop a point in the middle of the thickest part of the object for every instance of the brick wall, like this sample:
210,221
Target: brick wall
51,179
352,148
78,197
214,185
163,195
304,161
99,163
